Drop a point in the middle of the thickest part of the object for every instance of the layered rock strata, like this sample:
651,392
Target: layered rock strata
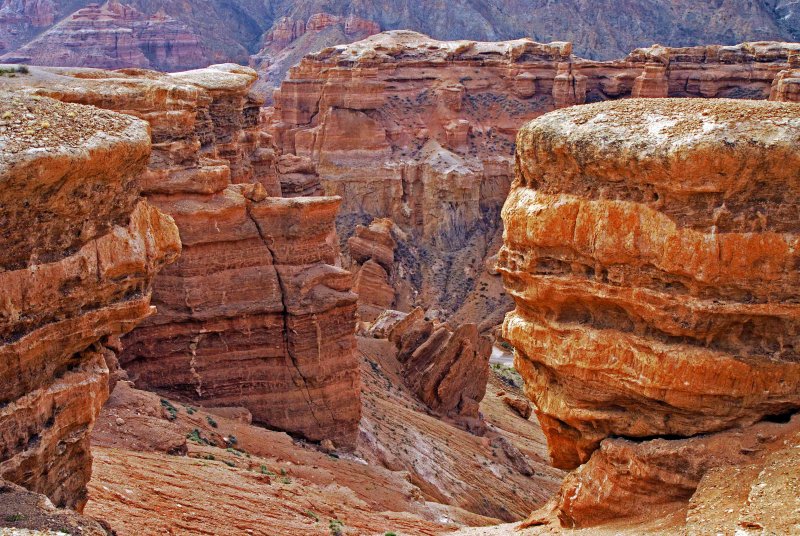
446,368
257,312
421,131
651,250
113,36
372,251
786,86
81,248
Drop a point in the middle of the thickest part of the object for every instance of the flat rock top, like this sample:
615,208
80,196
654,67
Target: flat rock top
634,131
36,123
409,45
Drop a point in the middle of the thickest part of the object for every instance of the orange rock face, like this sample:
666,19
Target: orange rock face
786,86
257,312
421,131
649,306
655,279
81,249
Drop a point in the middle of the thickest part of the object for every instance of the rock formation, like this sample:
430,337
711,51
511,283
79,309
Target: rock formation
422,132
446,368
80,250
654,274
257,312
113,36
786,86
290,38
372,251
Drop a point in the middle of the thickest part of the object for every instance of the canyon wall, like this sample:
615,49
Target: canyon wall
258,311
422,132
651,248
81,248
112,36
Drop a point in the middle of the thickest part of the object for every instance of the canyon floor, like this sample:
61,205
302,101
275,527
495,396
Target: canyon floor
162,467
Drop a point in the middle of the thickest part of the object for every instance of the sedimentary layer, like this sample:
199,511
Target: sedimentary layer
257,312
653,269
81,248
422,132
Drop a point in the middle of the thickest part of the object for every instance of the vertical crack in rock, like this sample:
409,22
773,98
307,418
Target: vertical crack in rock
285,314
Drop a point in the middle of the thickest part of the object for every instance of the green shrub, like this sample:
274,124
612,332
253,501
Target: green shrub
211,421
172,411
337,527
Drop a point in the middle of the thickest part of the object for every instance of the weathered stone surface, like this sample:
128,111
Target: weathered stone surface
257,312
786,86
421,131
81,251
113,36
447,369
646,305
24,510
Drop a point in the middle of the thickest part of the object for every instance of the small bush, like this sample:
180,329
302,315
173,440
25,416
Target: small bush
230,463
195,437
172,411
211,422
13,518
337,527
312,515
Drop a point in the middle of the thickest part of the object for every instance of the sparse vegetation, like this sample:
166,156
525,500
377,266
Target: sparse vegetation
196,437
390,534
312,515
337,527
11,72
286,480
172,411
190,410
265,471
211,422
13,518
230,463
507,375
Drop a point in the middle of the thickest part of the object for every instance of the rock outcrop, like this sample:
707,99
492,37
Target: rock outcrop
113,36
786,86
655,275
446,368
81,248
372,251
257,312
279,35
421,132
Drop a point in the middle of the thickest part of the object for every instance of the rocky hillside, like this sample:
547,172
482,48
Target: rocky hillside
279,32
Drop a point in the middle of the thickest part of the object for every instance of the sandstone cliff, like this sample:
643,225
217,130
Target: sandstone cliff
257,312
80,252
651,250
279,34
421,131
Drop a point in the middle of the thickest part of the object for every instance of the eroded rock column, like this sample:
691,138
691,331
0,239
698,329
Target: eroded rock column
651,248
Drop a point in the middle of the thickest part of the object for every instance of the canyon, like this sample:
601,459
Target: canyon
277,34
81,250
318,353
